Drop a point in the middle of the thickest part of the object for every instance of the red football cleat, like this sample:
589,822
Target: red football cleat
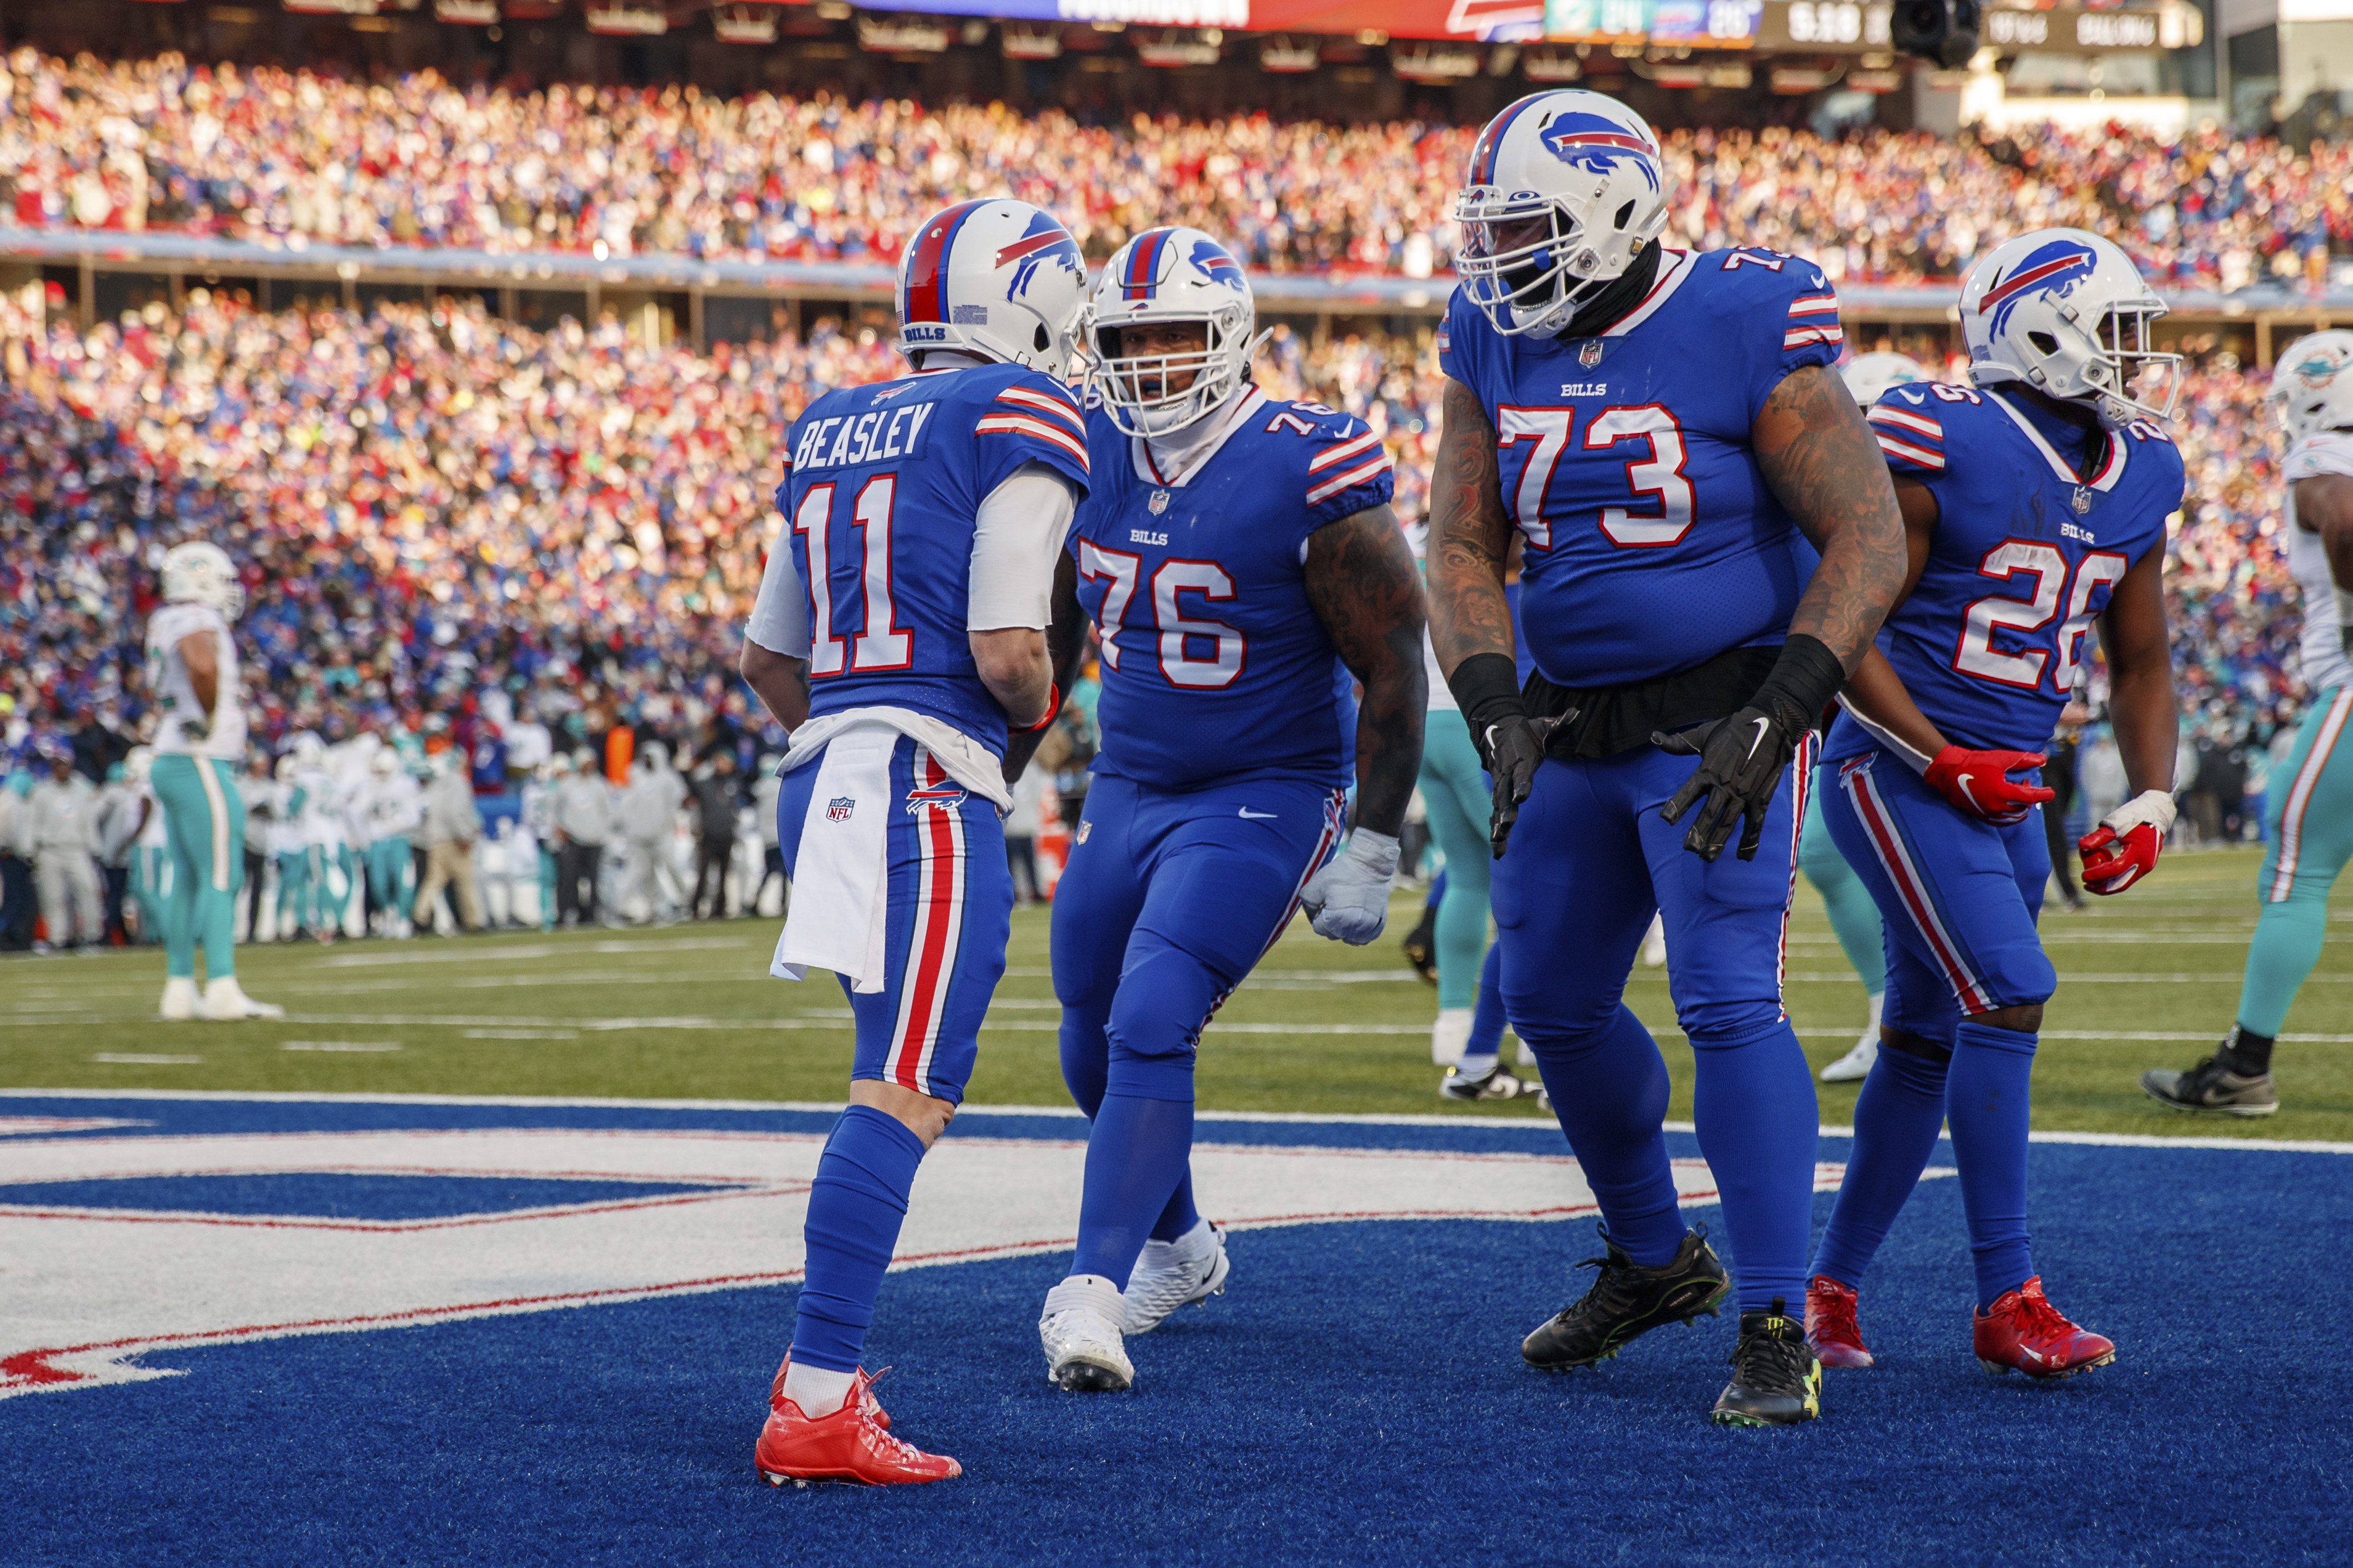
1829,1323
2026,1331
852,1444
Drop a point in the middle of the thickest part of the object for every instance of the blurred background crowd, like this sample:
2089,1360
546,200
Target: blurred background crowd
459,534
415,160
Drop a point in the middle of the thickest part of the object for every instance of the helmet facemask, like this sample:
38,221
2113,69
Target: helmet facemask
2131,375
1139,392
1525,258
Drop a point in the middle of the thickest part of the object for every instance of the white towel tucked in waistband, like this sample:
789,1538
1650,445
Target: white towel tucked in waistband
837,920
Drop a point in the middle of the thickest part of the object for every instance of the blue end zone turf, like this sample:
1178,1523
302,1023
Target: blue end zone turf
331,1195
1357,1397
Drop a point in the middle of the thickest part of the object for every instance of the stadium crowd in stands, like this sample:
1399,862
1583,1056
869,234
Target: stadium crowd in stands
420,161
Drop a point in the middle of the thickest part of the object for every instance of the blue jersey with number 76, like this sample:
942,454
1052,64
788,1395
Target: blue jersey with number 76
882,483
1653,541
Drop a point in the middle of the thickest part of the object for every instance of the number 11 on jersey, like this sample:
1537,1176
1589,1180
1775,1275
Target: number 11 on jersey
882,644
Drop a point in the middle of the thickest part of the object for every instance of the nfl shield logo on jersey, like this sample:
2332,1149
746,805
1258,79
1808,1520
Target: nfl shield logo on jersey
1589,355
838,808
1158,503
2081,500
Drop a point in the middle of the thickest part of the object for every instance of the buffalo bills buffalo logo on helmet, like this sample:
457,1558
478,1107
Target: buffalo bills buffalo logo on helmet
1044,240
1221,268
1598,145
2055,269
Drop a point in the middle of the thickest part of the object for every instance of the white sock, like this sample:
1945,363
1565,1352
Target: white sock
1449,1035
1476,1067
1878,1001
815,1389
1091,1292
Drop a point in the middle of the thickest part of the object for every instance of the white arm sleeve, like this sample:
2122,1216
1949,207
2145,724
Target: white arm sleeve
1018,532
779,620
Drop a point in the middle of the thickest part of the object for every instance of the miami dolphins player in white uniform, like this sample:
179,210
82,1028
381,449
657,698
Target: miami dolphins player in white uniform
199,740
2310,807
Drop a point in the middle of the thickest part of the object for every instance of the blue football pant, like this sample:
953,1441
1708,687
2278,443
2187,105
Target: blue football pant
1854,919
1958,900
1167,901
2311,838
951,910
1590,860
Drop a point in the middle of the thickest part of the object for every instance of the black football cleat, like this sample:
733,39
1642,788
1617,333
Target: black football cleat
1421,945
1628,1301
2213,1089
1776,1378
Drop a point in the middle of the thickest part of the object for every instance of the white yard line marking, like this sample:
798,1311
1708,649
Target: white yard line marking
339,1045
144,1058
522,1033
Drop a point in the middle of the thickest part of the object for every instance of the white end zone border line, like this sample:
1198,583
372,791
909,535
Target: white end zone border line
1307,1118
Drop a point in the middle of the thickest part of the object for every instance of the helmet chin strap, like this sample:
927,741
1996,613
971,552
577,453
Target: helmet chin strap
1601,309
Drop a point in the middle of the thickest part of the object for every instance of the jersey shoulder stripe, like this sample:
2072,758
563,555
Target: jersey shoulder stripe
1038,427
1362,473
1910,441
1046,404
1343,451
1814,305
1825,331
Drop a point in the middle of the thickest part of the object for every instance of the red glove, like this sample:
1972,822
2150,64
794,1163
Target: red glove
1978,783
2124,847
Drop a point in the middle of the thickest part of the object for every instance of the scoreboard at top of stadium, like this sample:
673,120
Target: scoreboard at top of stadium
1724,24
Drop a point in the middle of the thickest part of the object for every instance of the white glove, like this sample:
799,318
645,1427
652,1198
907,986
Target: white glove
1348,899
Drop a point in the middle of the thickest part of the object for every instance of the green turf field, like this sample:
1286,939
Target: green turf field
688,1012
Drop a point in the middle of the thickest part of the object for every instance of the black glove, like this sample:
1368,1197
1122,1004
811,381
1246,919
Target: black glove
1486,686
1742,758
1514,747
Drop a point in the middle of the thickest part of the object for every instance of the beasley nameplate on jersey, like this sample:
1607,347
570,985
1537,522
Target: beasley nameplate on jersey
877,434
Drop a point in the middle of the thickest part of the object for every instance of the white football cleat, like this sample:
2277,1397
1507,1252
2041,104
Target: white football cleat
179,999
1856,1063
1173,1273
1078,1331
225,1000
1654,943
1449,1035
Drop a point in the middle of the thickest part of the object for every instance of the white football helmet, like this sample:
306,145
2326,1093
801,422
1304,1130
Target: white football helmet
309,751
1564,191
1000,280
383,765
2066,313
2310,390
1168,275
137,763
198,573
1869,375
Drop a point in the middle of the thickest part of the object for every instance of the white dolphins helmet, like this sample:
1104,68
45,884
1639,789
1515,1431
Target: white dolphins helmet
1000,280
1564,191
560,765
309,752
197,573
2310,390
2066,313
1868,376
1176,275
655,756
137,763
383,765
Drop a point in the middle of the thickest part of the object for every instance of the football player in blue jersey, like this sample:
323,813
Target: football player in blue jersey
1238,556
2035,503
901,634
1711,543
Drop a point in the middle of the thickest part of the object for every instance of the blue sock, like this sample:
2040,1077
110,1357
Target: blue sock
1136,1158
1896,1119
1985,1103
1487,1023
1753,1103
1180,1215
856,1204
1437,891
1610,1093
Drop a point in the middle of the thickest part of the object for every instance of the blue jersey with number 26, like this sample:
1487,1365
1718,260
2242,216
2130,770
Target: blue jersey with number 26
882,485
2036,522
1215,663
1653,544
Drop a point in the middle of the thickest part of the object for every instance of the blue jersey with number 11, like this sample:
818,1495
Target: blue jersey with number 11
881,486
2037,522
1653,542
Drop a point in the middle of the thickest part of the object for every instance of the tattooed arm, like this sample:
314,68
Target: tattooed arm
1825,467
1361,582
1066,643
1470,535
